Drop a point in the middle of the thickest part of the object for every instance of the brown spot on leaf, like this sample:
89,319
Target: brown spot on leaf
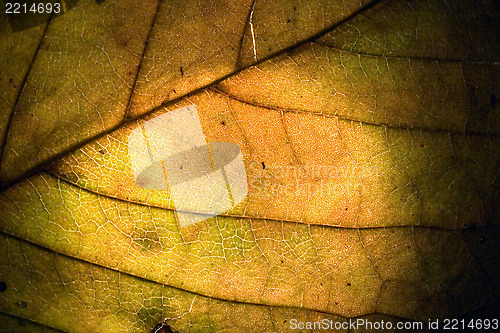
162,328
22,304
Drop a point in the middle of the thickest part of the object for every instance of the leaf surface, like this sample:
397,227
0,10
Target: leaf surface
370,137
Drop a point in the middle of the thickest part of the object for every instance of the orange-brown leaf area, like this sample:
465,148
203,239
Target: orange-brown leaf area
370,135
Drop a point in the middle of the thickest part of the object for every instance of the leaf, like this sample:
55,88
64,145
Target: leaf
370,137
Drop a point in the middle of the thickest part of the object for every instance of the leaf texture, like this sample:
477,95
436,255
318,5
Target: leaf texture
370,136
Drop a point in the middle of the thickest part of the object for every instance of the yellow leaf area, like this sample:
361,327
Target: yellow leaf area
370,139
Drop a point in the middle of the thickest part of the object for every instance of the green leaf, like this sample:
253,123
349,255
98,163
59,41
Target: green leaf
369,133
